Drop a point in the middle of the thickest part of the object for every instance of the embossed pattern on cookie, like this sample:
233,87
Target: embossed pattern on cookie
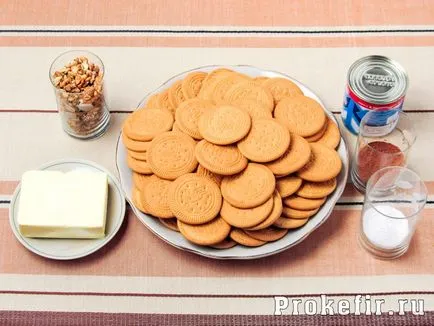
223,160
171,155
194,199
224,125
176,96
217,178
301,115
250,90
281,88
293,159
145,124
266,141
324,164
155,197
188,115
192,84
255,110
164,103
249,188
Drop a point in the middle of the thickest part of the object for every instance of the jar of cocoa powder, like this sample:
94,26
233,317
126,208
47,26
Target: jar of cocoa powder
380,147
78,81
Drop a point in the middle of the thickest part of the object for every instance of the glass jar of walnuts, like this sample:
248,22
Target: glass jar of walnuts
77,78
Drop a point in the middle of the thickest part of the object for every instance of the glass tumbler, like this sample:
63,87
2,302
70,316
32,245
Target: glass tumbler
395,197
381,146
78,81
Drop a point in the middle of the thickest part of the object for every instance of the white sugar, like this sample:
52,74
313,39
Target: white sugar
383,231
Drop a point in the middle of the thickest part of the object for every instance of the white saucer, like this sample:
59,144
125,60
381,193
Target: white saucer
66,249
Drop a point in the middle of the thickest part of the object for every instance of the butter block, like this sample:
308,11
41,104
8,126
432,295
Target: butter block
54,204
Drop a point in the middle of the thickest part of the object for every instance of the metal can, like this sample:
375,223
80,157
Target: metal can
374,83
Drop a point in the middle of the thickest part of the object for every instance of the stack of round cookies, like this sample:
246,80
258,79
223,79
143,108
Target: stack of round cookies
227,159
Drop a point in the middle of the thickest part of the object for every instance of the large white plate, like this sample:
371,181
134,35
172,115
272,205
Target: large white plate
237,252
66,249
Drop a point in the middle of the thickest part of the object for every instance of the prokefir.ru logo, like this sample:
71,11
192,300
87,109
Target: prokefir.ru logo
357,305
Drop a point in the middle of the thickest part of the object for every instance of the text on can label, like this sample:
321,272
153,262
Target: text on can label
379,80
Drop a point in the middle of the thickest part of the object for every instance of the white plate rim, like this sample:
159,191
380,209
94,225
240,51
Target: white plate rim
107,239
197,249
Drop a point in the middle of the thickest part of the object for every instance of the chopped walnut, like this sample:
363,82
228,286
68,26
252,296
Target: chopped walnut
80,97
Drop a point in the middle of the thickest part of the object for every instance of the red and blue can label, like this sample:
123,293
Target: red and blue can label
354,109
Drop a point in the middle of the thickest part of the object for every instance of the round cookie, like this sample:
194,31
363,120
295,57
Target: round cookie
217,178
208,84
293,159
246,217
268,234
324,164
250,90
155,197
188,114
210,233
288,185
145,124
194,199
225,244
137,200
153,102
298,214
255,110
318,135
171,155
135,145
249,188
242,238
301,203
223,160
170,223
314,190
301,115
266,141
140,180
176,96
274,215
290,223
141,156
281,88
164,103
138,166
222,86
192,84
224,125
332,136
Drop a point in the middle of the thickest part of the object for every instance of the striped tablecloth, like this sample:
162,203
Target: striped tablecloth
139,280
